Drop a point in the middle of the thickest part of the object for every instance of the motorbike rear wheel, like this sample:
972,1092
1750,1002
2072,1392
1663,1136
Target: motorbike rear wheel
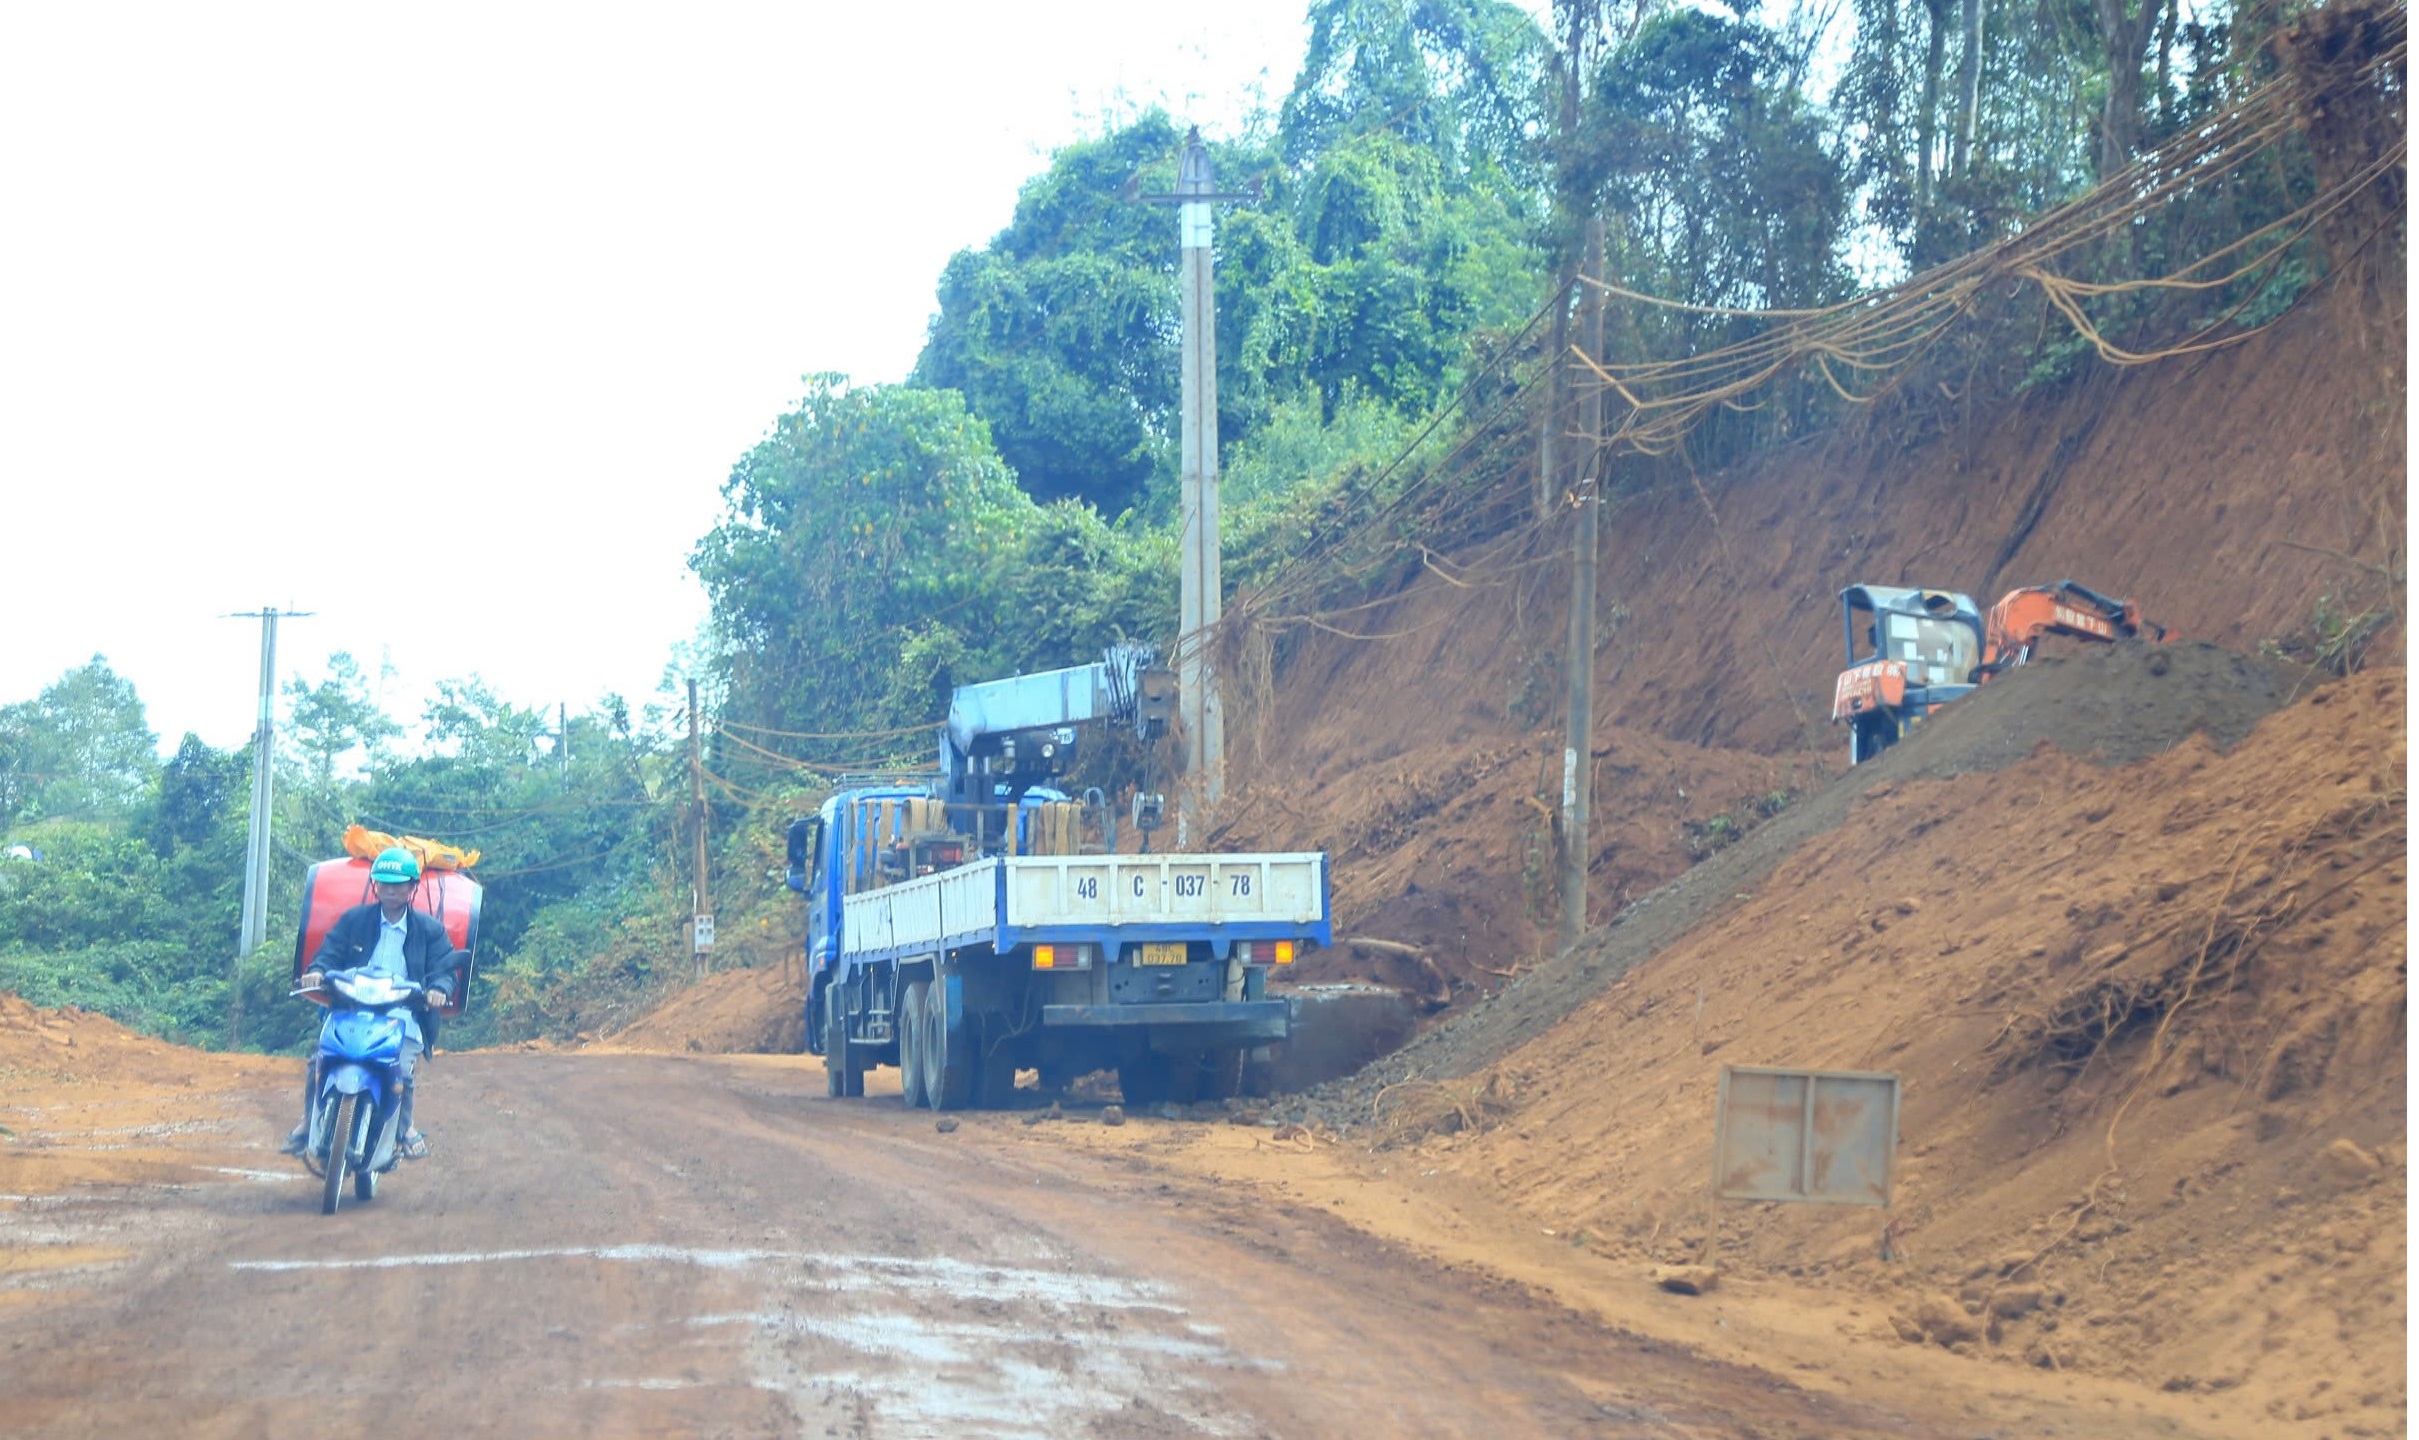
340,1142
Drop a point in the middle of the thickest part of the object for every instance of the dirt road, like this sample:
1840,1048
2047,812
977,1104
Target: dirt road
634,1245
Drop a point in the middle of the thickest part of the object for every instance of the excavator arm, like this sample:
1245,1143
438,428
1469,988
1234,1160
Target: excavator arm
2017,623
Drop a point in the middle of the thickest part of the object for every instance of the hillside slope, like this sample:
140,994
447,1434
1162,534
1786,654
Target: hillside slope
2150,1022
2241,496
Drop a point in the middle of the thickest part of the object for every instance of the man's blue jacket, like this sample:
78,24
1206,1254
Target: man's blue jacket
429,956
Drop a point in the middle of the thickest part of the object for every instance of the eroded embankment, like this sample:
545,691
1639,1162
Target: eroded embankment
2112,703
2255,494
2149,1019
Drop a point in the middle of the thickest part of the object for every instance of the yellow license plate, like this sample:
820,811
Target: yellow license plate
1155,952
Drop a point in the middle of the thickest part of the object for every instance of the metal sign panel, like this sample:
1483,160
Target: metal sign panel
1822,1135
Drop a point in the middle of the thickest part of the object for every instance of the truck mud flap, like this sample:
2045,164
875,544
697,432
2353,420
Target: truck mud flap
1257,1021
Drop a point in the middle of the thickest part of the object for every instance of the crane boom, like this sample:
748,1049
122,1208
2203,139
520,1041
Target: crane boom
2022,617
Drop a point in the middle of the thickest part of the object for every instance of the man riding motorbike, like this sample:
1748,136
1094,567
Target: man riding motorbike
389,937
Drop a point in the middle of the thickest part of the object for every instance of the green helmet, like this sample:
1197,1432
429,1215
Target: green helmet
395,865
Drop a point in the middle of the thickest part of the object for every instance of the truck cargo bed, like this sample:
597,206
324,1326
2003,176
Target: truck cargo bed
1107,900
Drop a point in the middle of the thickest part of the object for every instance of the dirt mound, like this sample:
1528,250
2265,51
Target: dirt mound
730,1012
2150,1025
2108,703
2105,703
1448,850
72,1047
84,1100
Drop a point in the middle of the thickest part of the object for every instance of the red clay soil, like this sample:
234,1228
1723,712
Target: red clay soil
1448,848
2151,1028
2236,495
84,1100
2108,704
729,1012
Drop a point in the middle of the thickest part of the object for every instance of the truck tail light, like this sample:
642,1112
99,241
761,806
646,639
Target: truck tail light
1284,949
1062,957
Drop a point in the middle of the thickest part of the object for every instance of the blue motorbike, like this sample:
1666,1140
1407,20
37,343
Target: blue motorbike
358,1090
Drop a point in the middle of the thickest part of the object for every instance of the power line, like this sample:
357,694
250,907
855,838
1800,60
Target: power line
727,725
1886,330
828,767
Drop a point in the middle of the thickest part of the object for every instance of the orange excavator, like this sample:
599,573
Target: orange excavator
1925,648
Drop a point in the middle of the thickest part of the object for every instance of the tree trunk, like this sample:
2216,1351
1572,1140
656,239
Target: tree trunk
1969,90
2124,37
2166,66
1927,115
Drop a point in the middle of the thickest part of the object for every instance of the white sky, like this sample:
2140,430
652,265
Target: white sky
447,321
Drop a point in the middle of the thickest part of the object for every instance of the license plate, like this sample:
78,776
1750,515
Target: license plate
1157,952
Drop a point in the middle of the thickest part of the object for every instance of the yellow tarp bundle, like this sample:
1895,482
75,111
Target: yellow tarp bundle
363,843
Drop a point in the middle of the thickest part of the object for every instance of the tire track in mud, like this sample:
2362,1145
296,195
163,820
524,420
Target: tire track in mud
618,1245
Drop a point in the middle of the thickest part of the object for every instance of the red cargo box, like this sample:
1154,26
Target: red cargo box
334,886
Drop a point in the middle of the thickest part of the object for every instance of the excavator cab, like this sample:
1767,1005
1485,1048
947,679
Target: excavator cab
1909,652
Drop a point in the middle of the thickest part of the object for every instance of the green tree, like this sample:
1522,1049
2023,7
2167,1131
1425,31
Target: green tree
1061,333
1720,174
330,720
1463,79
198,793
1399,219
867,514
80,749
1410,197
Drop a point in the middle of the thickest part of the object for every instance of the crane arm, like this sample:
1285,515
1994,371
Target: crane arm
1023,728
2017,623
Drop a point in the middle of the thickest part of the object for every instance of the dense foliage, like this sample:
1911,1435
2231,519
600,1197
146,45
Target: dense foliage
123,877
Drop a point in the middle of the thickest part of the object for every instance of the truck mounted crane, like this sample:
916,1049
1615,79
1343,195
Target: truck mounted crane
972,921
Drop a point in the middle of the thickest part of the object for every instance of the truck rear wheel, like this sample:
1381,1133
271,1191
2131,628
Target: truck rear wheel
948,1054
910,1027
842,1075
1156,1079
1222,1074
995,1074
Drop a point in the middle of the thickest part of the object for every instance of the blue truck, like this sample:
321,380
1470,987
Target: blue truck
976,922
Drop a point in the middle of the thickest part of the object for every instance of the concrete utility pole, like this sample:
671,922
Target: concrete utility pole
701,899
1550,456
1201,593
255,924
1578,753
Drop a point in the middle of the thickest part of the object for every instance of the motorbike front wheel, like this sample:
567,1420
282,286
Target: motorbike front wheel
340,1141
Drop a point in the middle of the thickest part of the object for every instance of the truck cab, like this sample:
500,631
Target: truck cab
880,835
